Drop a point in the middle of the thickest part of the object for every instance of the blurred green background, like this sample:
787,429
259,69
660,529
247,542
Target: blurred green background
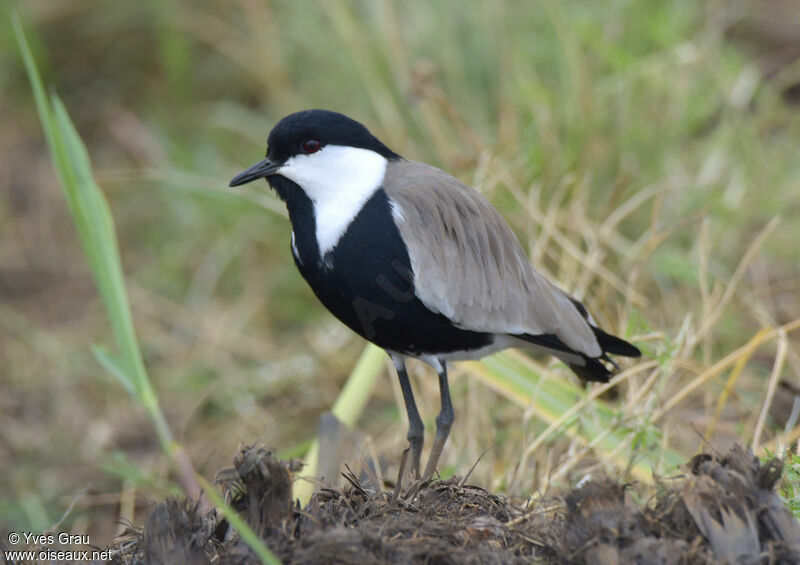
639,150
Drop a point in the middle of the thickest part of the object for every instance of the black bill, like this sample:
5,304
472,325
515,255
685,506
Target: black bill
260,170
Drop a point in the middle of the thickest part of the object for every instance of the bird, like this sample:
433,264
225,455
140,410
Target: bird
417,262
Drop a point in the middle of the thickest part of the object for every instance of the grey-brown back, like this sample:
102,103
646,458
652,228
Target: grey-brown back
469,265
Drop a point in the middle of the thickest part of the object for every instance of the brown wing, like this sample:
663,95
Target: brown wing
469,265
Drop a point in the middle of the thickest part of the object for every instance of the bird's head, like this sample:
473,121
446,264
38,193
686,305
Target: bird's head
318,149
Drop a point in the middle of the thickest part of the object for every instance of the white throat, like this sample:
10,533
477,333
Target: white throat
339,180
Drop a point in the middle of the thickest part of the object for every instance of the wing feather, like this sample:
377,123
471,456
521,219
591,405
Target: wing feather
469,265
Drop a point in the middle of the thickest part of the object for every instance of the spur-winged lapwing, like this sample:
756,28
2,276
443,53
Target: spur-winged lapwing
416,261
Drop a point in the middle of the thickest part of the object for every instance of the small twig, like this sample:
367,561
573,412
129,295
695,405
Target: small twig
733,281
399,486
471,469
528,515
576,408
187,478
127,504
792,421
68,511
777,368
757,340
375,469
415,488
351,478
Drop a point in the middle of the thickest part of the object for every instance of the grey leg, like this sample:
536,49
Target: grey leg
416,429
443,423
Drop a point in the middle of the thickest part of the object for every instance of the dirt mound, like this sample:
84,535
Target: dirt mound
724,509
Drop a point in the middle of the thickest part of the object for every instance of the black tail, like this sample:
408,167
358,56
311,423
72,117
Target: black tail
592,371
615,345
593,368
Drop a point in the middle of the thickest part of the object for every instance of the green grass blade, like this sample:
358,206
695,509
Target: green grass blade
550,398
119,465
112,365
245,531
95,225
39,94
347,409
92,218
358,389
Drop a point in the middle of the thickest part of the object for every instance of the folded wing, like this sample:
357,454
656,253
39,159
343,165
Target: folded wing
469,266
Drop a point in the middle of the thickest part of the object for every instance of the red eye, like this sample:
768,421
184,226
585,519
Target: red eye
311,146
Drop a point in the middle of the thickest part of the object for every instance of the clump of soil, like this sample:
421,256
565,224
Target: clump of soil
724,509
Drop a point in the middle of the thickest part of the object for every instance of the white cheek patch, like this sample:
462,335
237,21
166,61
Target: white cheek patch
339,180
